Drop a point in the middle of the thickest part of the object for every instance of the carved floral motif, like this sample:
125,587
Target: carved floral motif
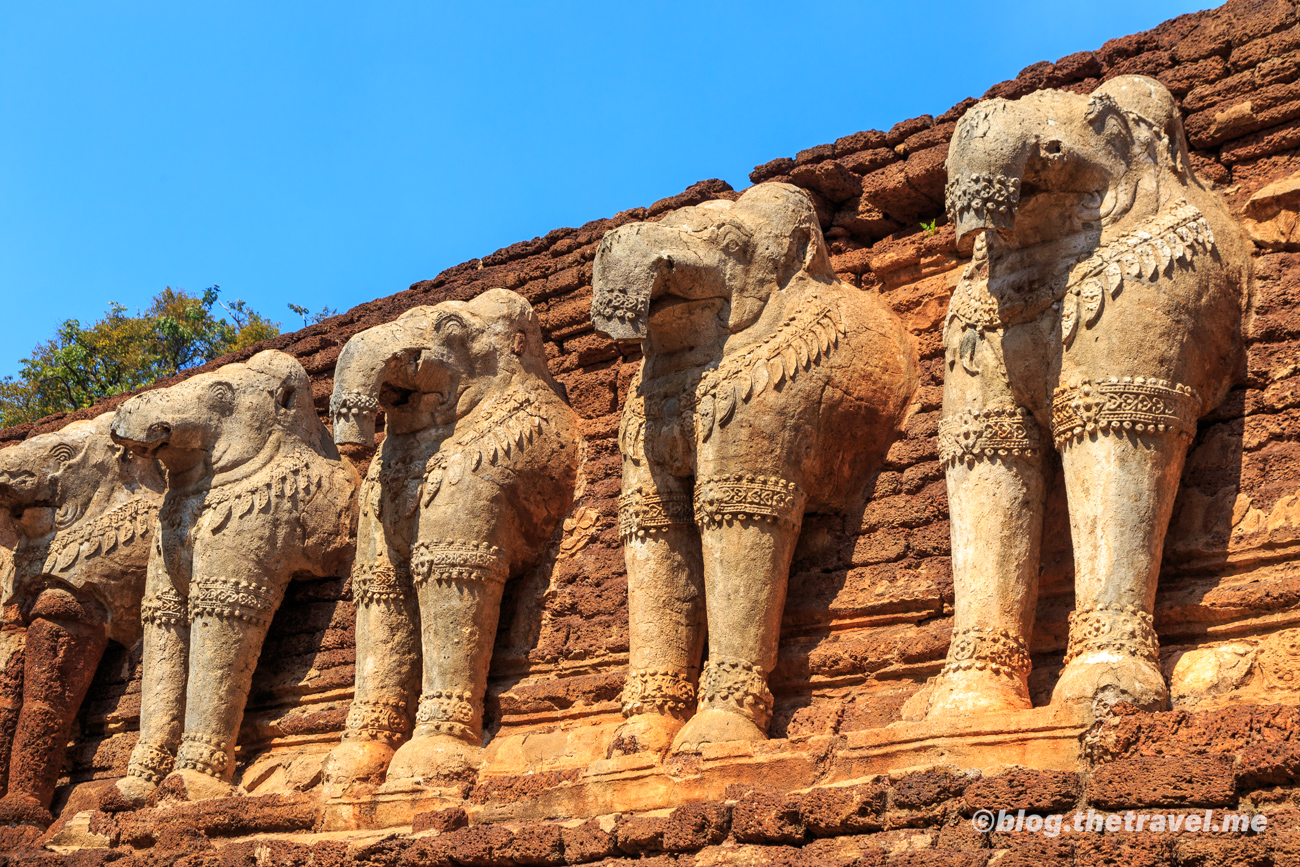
992,432
1131,404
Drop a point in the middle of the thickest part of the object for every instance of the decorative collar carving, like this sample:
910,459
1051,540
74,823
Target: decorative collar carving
1162,244
803,340
492,437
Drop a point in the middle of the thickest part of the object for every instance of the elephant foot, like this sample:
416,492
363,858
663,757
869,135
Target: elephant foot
645,733
434,759
971,691
128,793
187,784
356,760
715,726
1097,681
20,808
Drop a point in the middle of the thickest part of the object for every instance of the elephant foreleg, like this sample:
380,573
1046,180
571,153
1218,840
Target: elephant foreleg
1122,445
65,641
12,638
165,621
749,525
387,664
665,598
229,618
996,493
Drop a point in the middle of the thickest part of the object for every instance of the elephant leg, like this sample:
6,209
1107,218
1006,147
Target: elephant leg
996,496
13,637
459,585
388,651
665,599
1122,449
749,525
65,642
164,665
229,618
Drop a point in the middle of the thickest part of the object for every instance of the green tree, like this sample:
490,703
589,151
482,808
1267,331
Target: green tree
84,364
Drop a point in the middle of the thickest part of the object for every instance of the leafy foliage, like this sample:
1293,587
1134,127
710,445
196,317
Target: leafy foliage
119,352
309,318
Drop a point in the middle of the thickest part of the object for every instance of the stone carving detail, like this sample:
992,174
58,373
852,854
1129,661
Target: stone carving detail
742,497
475,473
1122,630
256,494
1103,302
993,432
83,510
641,513
658,691
727,438
1131,405
995,650
736,686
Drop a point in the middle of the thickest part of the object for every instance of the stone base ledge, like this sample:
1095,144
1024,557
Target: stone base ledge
576,781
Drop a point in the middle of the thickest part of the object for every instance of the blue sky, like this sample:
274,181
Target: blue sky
328,153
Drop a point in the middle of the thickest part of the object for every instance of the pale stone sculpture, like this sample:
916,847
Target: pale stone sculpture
84,510
1101,315
256,495
769,387
477,468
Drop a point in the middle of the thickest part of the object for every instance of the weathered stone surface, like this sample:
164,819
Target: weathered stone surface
746,331
857,639
1119,245
82,514
476,470
256,494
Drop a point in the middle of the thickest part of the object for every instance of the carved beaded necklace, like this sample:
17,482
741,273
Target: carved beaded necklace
1164,242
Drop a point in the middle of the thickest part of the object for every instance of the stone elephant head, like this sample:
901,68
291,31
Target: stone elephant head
719,259
84,509
223,419
1069,157
53,480
432,365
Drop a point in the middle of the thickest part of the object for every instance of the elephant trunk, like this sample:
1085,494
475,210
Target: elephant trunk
984,175
367,362
142,424
627,275
22,478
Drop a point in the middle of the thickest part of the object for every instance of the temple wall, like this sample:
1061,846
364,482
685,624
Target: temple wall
868,616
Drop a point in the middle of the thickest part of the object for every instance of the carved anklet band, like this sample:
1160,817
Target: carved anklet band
373,583
377,720
238,600
993,432
1120,629
149,762
457,561
739,497
641,514
735,685
164,608
983,648
658,690
983,195
1131,404
204,754
449,712
353,404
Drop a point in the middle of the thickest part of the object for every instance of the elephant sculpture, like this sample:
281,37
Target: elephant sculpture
256,495
84,511
769,387
1100,316
475,472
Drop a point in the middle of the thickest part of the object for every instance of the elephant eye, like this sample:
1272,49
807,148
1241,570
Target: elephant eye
62,453
450,325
